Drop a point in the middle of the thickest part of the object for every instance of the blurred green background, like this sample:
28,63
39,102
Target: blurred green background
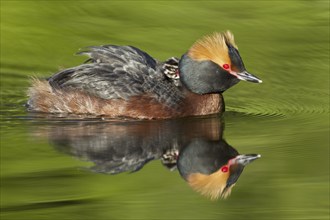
285,119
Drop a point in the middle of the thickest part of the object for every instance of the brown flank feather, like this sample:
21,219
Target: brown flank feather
44,98
213,47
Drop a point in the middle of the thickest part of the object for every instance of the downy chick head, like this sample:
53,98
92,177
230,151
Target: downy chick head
213,64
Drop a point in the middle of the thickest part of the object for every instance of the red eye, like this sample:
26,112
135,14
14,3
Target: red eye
224,169
225,66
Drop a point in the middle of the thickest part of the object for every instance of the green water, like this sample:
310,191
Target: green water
46,161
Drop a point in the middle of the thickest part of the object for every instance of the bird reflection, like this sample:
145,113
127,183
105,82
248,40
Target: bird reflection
194,146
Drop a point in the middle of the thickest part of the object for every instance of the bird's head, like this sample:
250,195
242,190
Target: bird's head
212,167
213,64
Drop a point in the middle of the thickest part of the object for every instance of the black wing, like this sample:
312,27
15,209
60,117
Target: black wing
117,72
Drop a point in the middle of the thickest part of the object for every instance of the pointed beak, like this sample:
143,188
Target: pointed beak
248,77
238,163
245,159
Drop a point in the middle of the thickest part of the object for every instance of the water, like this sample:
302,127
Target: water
53,168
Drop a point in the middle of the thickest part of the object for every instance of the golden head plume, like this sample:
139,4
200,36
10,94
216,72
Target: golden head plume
211,186
213,47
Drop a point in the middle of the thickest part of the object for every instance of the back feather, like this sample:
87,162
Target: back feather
118,72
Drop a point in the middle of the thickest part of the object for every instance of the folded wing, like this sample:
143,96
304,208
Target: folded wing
117,72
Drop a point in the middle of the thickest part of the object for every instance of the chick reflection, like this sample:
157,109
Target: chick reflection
194,146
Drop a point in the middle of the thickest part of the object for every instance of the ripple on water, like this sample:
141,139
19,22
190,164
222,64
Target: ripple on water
300,102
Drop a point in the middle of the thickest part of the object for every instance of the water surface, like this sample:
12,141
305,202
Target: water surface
50,171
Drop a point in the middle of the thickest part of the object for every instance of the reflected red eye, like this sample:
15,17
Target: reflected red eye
225,66
224,169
